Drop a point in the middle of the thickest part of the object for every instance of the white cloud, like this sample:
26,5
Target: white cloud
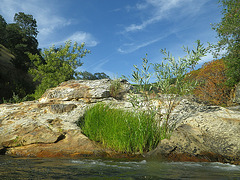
8,9
85,37
157,10
45,12
131,47
48,18
141,6
79,37
48,25
42,11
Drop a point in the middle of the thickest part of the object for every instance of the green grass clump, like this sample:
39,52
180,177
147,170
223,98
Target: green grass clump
121,130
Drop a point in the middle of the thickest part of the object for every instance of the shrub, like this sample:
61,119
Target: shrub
171,74
116,89
121,130
56,65
212,83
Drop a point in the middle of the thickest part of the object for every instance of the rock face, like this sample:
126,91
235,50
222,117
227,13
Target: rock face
237,94
47,127
213,135
78,89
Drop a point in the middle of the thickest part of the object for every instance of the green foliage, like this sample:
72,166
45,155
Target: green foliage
15,99
59,65
171,79
171,75
21,39
232,61
141,76
13,80
27,24
229,38
121,130
3,25
85,75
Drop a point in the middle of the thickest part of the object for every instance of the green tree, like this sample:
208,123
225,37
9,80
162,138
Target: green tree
89,76
59,65
85,75
27,24
101,75
3,25
21,39
229,38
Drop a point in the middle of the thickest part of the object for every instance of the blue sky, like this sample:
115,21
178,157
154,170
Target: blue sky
120,32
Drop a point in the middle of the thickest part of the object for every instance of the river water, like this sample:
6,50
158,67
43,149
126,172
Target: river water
42,168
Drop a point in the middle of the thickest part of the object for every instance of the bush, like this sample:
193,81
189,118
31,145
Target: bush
121,130
56,65
116,89
212,83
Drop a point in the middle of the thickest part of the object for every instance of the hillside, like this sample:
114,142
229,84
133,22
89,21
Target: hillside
12,80
5,60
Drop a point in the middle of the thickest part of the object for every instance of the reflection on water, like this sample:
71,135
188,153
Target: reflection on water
34,168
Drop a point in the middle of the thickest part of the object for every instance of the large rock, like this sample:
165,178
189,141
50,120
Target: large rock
48,127
70,144
88,90
237,94
213,135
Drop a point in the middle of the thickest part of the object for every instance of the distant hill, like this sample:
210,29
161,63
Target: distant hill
12,80
5,60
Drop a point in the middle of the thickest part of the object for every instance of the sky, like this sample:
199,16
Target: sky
119,33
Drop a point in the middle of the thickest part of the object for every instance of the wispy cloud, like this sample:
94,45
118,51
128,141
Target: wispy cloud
80,37
131,47
43,11
48,18
157,10
100,65
47,25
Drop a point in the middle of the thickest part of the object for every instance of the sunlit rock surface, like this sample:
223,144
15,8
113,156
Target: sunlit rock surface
212,135
47,127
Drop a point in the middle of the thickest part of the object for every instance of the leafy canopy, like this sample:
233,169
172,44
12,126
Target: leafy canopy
229,38
27,24
171,73
58,65
20,39
85,75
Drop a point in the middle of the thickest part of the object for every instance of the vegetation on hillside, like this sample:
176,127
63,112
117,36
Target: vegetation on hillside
17,39
229,39
212,83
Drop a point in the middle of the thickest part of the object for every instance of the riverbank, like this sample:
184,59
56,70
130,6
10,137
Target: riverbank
47,127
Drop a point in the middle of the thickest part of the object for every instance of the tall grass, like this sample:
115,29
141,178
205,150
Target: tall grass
121,130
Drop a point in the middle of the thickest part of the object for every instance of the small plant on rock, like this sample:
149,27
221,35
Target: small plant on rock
116,89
